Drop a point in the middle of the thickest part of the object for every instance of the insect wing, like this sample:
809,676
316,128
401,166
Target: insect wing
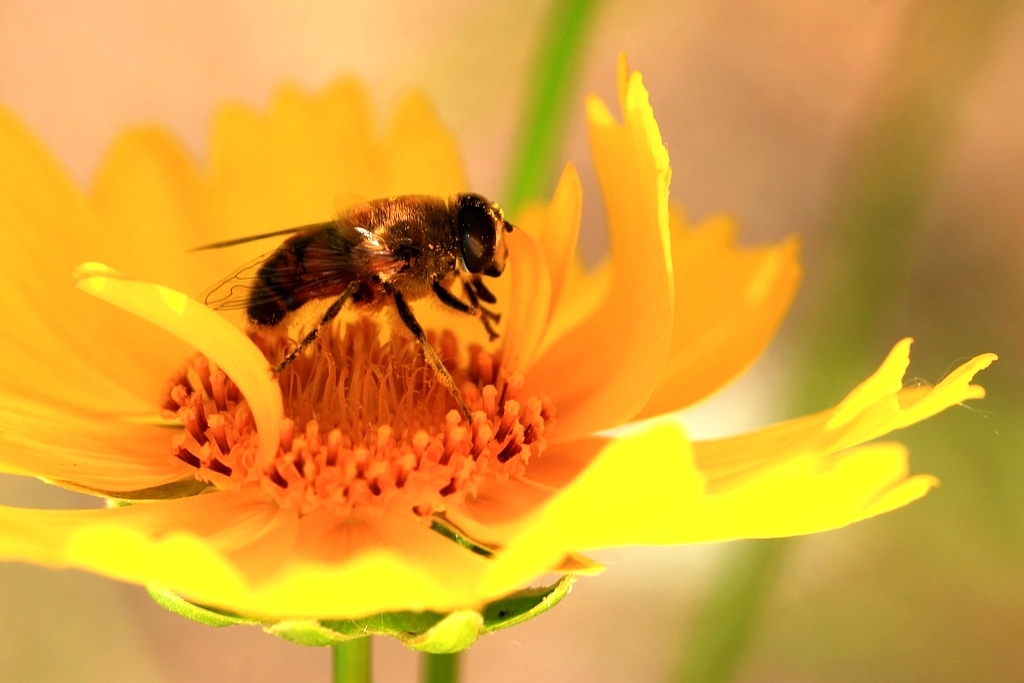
333,263
235,292
326,268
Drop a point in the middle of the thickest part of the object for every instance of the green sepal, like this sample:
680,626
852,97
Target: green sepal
431,632
309,632
424,631
204,615
525,604
454,633
183,488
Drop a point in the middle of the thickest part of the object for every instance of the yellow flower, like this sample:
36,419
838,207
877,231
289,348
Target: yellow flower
322,495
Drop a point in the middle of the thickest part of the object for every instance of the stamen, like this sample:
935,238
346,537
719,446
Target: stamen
367,426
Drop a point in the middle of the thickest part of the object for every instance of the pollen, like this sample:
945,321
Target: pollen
367,425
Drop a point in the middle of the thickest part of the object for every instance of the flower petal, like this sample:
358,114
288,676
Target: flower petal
149,199
227,520
640,488
491,515
808,494
204,330
98,452
498,510
729,303
583,293
57,345
644,489
397,563
545,260
424,157
240,552
652,486
181,544
284,167
529,302
876,407
556,229
601,374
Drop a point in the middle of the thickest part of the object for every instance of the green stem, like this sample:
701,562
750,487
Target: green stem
353,661
549,101
441,668
732,611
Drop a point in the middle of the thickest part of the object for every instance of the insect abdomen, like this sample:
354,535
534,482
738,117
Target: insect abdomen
272,298
266,313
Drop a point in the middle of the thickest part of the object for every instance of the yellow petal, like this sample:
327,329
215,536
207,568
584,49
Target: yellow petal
601,374
498,511
175,540
729,303
583,293
204,330
557,228
651,486
492,514
149,199
639,489
809,493
284,167
100,452
554,229
226,520
396,563
879,404
876,407
424,157
242,553
529,302
57,343
53,351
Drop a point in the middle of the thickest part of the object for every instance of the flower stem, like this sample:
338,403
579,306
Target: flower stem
441,668
732,611
353,661
549,102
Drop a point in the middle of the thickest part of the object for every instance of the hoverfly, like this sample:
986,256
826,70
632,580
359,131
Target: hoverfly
385,251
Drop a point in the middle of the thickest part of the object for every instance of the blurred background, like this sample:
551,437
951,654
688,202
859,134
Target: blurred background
888,133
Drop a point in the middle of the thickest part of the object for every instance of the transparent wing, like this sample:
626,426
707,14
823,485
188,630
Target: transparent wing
329,262
236,290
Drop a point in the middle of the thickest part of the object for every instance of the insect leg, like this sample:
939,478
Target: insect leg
487,316
330,315
452,301
480,289
405,313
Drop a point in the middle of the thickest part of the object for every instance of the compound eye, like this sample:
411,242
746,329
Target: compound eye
477,235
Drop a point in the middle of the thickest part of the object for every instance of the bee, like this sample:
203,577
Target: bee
384,252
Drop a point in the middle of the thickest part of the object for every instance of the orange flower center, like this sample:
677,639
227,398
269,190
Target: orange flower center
367,425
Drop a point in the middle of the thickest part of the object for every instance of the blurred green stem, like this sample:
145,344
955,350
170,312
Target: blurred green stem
353,661
441,668
551,91
888,184
732,610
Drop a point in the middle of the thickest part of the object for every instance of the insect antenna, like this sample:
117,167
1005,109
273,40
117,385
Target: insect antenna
254,238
